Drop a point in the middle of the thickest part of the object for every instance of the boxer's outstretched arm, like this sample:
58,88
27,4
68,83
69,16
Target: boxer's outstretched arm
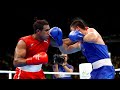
68,47
65,45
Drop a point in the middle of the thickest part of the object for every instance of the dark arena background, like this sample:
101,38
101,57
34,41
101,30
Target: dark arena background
17,22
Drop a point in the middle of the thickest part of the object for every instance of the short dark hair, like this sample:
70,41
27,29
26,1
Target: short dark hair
38,24
78,22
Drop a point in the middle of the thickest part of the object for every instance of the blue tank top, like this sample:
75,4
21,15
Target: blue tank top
94,52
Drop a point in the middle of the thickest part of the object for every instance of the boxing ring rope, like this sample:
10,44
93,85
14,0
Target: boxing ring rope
74,73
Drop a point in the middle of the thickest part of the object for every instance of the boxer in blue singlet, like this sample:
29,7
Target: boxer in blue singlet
90,42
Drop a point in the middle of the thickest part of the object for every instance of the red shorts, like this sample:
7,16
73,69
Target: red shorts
20,74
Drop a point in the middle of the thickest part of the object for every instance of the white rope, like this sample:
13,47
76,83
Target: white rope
118,69
71,73
74,73
4,71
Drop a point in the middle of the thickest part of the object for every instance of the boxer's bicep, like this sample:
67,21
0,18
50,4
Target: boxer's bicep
68,49
75,47
66,41
20,52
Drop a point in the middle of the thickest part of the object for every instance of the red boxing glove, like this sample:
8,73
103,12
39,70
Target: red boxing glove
39,58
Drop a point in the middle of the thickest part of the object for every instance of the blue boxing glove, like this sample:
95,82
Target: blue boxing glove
75,36
56,34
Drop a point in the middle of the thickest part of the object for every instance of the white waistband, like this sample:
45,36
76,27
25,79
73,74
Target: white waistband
102,62
31,68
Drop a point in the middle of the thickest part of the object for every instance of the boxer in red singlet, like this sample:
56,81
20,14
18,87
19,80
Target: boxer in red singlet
30,52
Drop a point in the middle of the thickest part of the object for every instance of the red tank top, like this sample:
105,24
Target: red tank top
34,46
